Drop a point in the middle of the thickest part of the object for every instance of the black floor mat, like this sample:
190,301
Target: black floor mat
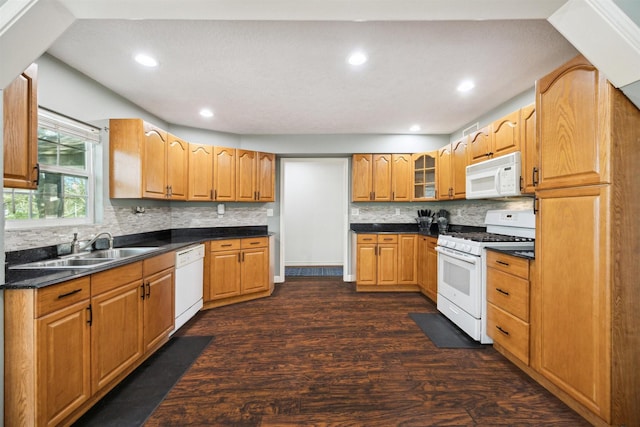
442,332
132,401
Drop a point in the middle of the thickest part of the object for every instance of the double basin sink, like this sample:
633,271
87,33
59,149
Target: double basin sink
85,259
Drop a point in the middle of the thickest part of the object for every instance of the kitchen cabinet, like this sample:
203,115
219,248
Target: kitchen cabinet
479,145
452,163
159,305
401,168
381,177
505,135
224,174
146,162
428,266
529,147
424,176
47,352
584,305
237,270
377,259
508,303
200,172
255,176
20,131
407,259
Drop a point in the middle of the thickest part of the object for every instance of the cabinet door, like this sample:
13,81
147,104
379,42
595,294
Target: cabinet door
459,169
401,177
224,174
266,176
154,183
246,176
20,131
529,146
381,177
571,129
224,279
159,307
177,167
387,264
361,178
200,172
366,263
63,363
116,336
254,270
407,259
572,310
505,135
422,262
424,176
479,146
444,173
432,269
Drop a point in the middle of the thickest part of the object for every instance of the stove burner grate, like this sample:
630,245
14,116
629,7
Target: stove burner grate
489,237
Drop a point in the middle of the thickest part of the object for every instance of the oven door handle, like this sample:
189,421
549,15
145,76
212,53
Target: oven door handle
457,255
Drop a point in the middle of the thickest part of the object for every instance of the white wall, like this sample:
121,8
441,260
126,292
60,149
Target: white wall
314,211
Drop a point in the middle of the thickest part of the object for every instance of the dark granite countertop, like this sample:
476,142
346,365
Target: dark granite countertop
399,228
164,240
518,252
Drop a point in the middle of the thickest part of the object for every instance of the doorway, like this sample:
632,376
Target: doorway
314,216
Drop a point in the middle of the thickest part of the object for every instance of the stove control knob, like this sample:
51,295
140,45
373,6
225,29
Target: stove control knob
452,245
467,248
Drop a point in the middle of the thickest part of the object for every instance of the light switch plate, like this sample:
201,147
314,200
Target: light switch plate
355,211
269,212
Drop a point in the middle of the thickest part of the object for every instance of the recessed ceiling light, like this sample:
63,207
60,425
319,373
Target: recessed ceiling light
466,86
415,128
357,58
146,60
206,112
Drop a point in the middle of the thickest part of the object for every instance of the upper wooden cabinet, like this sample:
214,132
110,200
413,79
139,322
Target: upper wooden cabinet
224,174
529,147
200,172
146,162
479,145
424,176
573,139
452,163
255,176
20,131
505,135
381,177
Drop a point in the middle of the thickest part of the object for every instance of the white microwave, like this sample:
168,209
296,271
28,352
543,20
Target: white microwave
498,177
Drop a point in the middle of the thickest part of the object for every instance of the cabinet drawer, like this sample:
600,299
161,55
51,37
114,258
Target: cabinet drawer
158,263
387,238
111,279
225,245
58,296
508,331
254,242
367,238
508,292
510,264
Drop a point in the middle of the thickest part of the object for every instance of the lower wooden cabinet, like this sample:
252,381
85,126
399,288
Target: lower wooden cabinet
428,266
236,270
67,345
386,262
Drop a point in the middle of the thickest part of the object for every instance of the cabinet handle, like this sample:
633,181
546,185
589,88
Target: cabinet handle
226,245
535,205
37,168
490,153
258,196
371,195
254,243
242,256
75,291
535,176
90,321
502,330
502,292
215,194
148,289
502,263
239,258
393,195
171,191
367,239
142,291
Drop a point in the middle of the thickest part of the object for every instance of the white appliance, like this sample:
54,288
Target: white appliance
498,177
188,283
462,272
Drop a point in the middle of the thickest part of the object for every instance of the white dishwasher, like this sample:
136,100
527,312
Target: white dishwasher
188,283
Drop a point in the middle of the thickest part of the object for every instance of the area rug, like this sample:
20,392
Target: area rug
134,399
442,332
313,271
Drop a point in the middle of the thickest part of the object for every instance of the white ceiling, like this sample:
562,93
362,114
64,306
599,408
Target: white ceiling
291,76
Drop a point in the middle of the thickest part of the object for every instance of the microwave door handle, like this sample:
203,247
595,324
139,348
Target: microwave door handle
496,181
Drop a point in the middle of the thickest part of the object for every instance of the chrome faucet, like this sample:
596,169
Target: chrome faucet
75,243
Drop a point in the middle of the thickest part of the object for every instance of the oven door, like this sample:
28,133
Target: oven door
460,279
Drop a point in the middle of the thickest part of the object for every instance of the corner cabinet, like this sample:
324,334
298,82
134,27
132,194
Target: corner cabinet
20,131
428,266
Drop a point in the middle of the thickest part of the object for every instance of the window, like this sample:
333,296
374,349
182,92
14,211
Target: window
65,191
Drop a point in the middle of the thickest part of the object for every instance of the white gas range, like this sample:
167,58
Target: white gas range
462,272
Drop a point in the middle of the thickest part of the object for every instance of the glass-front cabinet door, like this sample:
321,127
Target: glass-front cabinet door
424,176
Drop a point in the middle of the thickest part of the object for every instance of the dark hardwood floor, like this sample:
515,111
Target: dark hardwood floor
317,353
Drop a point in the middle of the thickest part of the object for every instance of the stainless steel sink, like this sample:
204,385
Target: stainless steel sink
84,260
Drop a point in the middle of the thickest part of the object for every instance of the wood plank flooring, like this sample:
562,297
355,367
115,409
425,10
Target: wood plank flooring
317,353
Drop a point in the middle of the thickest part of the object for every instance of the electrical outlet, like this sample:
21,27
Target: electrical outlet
269,212
355,211
397,211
